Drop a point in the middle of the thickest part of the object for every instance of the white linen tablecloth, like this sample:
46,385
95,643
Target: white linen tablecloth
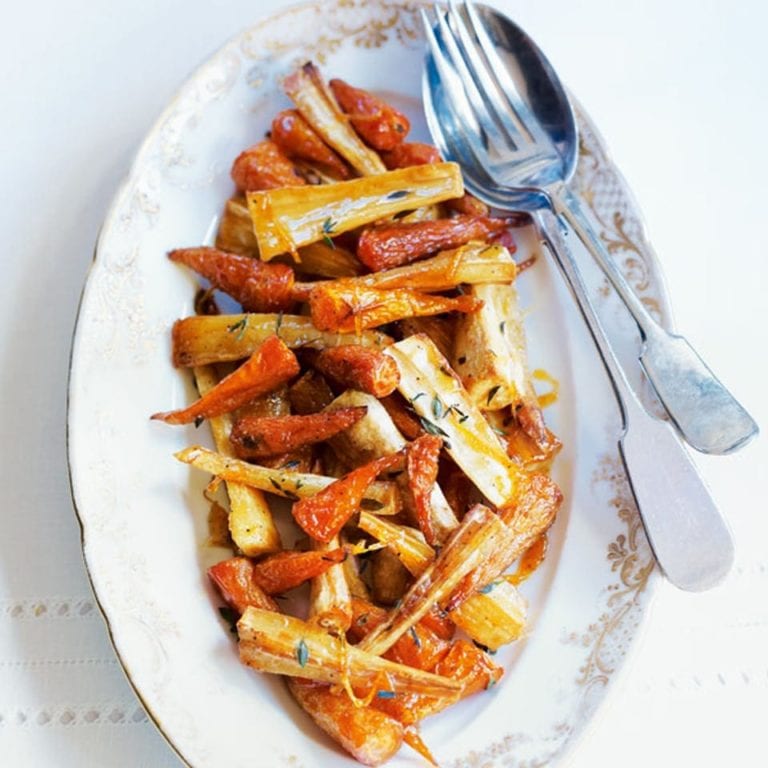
679,92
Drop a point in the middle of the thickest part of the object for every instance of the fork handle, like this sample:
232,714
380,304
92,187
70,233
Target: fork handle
705,413
689,536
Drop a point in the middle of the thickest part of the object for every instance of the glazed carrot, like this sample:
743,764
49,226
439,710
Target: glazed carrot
380,125
351,308
421,463
264,166
322,516
270,365
296,137
285,570
236,580
255,438
410,153
256,285
370,736
357,367
391,245
465,663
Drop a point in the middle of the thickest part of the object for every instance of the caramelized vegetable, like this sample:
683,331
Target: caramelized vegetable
407,154
470,544
286,219
310,394
285,570
250,519
293,134
199,340
270,365
284,645
282,481
391,245
370,736
472,264
264,166
330,601
421,462
381,126
308,91
255,438
465,663
236,580
525,522
356,367
235,234
259,287
322,516
353,308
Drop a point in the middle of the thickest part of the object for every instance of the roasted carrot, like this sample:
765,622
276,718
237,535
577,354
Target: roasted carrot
270,365
410,153
357,367
370,736
285,570
421,463
255,438
264,166
236,580
323,515
380,125
350,308
391,245
296,137
465,663
258,286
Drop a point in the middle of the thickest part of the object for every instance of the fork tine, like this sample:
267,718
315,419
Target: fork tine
498,74
508,120
453,53
451,81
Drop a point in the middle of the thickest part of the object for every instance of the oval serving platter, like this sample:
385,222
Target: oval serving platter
143,515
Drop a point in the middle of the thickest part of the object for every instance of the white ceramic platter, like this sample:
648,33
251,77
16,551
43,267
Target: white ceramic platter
143,514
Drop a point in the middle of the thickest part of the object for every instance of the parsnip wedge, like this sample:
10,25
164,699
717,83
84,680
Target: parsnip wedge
438,397
284,645
250,520
281,482
467,547
287,218
203,339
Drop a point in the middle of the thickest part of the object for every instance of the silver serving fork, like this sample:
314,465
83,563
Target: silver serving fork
527,142
689,536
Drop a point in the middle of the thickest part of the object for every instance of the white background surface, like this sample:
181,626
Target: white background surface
678,90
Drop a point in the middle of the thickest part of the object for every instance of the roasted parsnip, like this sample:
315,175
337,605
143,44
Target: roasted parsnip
250,519
280,482
286,219
203,339
285,645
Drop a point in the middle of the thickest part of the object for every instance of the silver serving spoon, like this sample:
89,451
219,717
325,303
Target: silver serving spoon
494,101
690,538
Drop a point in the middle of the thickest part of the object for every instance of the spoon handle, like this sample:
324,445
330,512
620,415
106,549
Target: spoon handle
689,536
705,413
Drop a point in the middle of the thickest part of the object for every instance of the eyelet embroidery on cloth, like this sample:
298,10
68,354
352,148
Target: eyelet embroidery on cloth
50,608
97,714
